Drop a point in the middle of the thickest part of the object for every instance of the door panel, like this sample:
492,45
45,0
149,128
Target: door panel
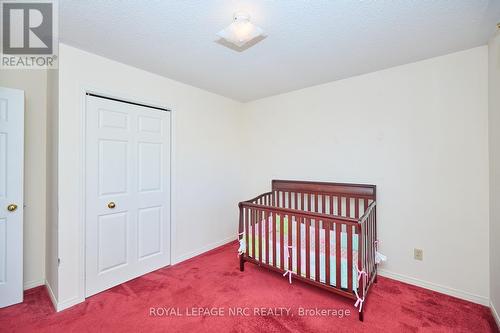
3,250
11,195
3,163
113,166
149,231
150,166
112,250
150,124
112,119
127,192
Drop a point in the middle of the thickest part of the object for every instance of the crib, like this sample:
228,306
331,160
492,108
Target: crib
324,234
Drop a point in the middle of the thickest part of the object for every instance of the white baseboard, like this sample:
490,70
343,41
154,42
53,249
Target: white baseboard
33,284
51,294
69,303
59,306
204,249
436,287
62,305
495,314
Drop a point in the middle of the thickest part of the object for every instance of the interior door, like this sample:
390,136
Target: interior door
127,192
11,195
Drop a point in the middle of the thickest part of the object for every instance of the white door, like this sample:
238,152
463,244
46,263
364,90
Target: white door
127,192
11,195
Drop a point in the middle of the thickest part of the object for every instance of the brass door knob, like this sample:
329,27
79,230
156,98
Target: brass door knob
111,205
11,207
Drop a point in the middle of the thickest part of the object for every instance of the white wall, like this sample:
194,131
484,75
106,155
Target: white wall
494,146
420,133
33,82
207,172
51,253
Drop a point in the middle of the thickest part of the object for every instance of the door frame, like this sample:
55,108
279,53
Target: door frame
123,97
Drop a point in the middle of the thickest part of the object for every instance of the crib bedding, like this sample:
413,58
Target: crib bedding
322,250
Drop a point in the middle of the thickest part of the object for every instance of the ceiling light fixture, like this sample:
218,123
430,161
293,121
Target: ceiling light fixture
241,31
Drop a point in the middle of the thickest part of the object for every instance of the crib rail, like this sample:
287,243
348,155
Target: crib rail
336,222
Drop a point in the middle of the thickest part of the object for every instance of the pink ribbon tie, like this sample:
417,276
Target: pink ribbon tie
242,247
288,271
360,273
359,301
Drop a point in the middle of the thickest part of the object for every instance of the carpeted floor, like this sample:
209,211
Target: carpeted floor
264,298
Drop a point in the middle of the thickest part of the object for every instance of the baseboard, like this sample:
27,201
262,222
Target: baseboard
204,249
33,284
495,314
51,294
60,306
69,303
436,287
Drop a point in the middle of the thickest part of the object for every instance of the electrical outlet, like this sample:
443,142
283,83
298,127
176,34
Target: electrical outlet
418,254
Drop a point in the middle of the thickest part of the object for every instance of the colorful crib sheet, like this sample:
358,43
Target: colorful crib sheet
322,250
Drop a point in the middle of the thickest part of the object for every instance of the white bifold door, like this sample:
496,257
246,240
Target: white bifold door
127,191
11,195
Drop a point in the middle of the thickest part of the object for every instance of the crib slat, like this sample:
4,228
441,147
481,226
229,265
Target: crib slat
298,245
356,208
289,199
302,201
247,231
308,249
309,204
360,260
349,257
339,205
327,252
266,217
338,253
372,246
374,212
331,205
316,203
316,249
259,222
323,200
273,221
296,203
369,245
290,250
348,206
282,243
253,214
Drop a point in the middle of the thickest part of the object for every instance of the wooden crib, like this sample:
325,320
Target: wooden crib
281,229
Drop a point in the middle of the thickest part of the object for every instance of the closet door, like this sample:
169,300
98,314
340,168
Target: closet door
11,195
127,192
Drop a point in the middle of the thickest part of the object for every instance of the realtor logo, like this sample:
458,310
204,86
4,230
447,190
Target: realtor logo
29,34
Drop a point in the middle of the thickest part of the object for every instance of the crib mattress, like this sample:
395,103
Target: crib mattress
312,251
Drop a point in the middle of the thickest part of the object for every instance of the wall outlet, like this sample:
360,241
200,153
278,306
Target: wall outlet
418,254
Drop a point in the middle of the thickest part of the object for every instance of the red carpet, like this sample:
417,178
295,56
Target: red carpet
213,280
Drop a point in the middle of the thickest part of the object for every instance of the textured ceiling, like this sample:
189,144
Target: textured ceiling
308,42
